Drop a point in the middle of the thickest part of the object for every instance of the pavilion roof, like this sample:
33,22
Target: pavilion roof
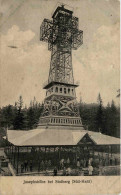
102,139
51,137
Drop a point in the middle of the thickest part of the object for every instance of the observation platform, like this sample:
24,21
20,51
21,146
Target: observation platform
47,84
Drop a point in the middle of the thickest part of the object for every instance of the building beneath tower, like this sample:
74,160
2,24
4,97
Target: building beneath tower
60,140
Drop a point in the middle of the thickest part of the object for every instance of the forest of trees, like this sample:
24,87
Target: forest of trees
95,116
20,117
104,119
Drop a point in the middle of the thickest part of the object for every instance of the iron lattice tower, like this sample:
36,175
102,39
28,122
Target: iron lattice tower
62,35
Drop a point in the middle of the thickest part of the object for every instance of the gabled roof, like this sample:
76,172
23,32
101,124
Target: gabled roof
51,137
102,139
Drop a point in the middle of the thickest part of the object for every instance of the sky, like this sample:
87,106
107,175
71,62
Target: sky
96,63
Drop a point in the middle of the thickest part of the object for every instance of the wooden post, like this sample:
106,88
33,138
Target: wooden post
10,153
102,152
93,152
14,160
76,155
17,158
45,152
12,149
54,156
111,151
59,153
7,150
108,154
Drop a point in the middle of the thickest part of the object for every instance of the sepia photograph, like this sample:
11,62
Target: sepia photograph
60,88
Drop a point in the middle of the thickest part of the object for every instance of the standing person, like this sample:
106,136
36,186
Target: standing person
115,161
90,169
65,162
64,171
81,162
78,163
55,171
22,167
46,164
90,160
68,161
61,163
103,162
42,165
74,162
31,166
111,161
25,165
84,163
49,164
38,165
68,171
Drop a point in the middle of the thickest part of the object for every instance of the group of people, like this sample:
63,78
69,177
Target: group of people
43,165
66,171
26,166
64,164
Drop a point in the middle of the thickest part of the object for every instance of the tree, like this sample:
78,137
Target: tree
19,119
30,118
113,119
88,115
100,116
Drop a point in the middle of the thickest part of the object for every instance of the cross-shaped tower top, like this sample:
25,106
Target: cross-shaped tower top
62,35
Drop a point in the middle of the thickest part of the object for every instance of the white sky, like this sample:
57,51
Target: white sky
96,63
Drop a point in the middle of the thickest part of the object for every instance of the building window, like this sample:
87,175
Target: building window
56,89
60,90
68,90
72,91
64,90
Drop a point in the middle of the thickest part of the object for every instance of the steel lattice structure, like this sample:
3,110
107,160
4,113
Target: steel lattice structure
62,35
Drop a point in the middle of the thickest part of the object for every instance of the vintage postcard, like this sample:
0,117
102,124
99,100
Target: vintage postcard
59,97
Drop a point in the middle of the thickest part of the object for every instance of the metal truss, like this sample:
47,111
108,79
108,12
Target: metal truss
62,35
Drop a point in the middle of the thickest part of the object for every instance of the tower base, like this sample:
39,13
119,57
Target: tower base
60,122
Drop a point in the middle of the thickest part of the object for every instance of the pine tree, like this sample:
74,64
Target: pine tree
100,116
19,119
30,118
113,119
